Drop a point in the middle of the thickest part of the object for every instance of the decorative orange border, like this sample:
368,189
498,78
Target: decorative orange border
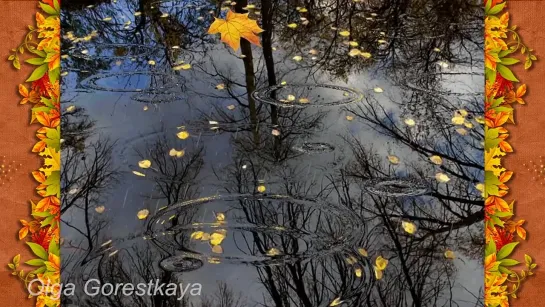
42,90
501,44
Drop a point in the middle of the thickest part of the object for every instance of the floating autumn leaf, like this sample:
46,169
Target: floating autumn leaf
185,66
235,27
378,90
137,13
183,135
176,153
344,33
354,52
142,214
449,254
336,302
145,108
408,227
138,174
353,44
231,107
436,49
381,263
458,120
366,55
313,51
197,235
275,132
410,122
349,118
302,10
100,209
144,164
436,160
70,109
213,260
164,15
220,217
358,272
261,189
217,249
220,86
151,62
216,238
304,100
249,7
107,19
378,273
362,252
443,64
273,252
291,98
292,26
393,159
297,58
351,260
442,177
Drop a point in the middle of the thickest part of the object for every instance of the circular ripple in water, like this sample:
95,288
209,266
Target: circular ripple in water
266,95
156,97
112,51
395,187
164,81
314,148
181,263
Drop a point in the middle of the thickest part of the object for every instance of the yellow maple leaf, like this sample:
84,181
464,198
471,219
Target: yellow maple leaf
235,27
52,161
492,161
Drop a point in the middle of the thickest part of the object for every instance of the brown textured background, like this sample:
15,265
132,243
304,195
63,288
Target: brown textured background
16,140
528,140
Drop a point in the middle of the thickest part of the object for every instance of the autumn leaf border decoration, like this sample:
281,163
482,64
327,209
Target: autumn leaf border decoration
234,27
41,90
503,89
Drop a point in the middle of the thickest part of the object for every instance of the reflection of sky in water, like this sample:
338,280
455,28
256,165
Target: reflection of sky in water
198,101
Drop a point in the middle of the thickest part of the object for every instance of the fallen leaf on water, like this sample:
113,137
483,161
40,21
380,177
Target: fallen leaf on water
213,260
138,174
231,107
458,120
144,164
408,227
151,62
164,15
354,52
275,132
449,254
183,66
303,100
366,55
220,217
292,25
468,125
336,302
313,51
344,33
362,252
381,263
234,27
436,160
302,10
107,19
142,214
393,159
216,238
378,273
291,98
145,108
261,189
176,153
378,90
349,118
100,209
283,83
436,49
351,260
381,41
462,131
353,44
197,235
297,58
358,272
410,122
137,13
183,135
273,252
441,177
217,249
220,86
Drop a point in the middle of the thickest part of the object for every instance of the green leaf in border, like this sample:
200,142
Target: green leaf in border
38,73
509,61
506,250
506,72
35,61
35,262
38,250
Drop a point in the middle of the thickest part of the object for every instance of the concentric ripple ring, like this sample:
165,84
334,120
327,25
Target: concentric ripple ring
265,95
